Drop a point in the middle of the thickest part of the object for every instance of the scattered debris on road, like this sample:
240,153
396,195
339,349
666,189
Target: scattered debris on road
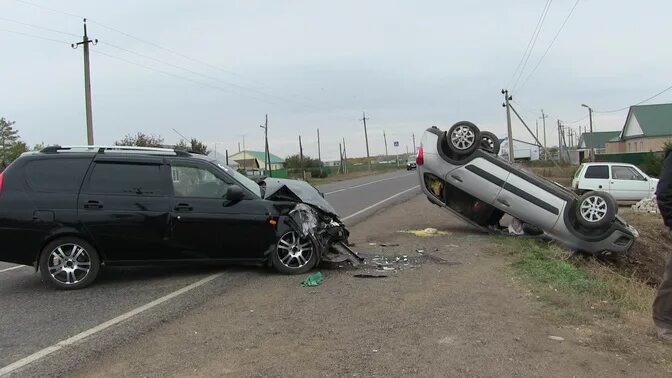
314,279
426,232
556,338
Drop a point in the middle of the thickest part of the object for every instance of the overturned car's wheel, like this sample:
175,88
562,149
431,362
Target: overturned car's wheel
294,254
463,138
69,263
489,142
596,210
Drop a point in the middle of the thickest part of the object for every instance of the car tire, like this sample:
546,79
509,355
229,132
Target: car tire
463,138
294,254
595,209
69,263
489,142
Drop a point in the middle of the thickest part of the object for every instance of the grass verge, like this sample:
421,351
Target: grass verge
609,310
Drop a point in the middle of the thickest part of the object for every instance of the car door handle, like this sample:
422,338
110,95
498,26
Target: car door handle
456,178
503,202
183,207
93,205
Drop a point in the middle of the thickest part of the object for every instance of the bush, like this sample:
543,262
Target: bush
318,173
652,164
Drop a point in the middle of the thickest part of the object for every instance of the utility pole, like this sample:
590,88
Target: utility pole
414,144
238,146
227,156
560,141
385,139
340,154
592,146
345,158
509,131
543,117
366,138
319,151
87,83
244,156
536,123
301,159
267,152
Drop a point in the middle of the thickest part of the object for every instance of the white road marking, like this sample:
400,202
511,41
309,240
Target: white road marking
80,336
14,267
368,183
379,203
112,322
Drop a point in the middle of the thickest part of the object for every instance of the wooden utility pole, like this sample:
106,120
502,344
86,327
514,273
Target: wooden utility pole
366,139
340,154
345,158
319,151
543,118
509,131
267,152
87,83
560,141
414,144
385,139
301,159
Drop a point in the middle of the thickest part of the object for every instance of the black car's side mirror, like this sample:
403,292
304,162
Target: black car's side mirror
234,193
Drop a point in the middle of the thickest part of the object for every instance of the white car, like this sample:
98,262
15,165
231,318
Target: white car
625,182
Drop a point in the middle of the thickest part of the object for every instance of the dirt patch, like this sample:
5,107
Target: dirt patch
647,257
428,318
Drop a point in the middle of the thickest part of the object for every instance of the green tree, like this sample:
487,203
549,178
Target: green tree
652,164
294,161
140,140
194,145
11,147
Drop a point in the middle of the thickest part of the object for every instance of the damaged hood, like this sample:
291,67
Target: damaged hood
304,192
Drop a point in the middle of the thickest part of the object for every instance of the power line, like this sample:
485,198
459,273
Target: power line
528,44
533,41
38,27
35,36
303,102
49,9
550,45
639,103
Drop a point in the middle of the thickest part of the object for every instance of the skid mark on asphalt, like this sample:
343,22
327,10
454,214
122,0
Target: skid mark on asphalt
367,183
81,336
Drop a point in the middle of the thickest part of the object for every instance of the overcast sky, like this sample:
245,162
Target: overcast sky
310,64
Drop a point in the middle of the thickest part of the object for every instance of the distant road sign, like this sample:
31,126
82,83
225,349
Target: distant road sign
396,143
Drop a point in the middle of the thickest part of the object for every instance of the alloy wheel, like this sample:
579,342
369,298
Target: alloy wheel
69,263
462,137
294,251
593,208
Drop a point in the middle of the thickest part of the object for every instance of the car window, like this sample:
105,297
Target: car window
246,182
597,172
197,182
126,178
625,173
56,175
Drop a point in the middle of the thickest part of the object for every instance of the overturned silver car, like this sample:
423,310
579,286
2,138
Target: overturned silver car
460,171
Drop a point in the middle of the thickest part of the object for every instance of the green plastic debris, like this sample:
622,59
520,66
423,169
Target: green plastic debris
313,280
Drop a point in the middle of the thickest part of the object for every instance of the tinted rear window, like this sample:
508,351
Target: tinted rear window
597,172
130,179
56,175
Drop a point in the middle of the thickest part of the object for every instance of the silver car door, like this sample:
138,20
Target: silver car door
529,202
480,178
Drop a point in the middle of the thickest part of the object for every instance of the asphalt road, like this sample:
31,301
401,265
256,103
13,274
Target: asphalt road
44,331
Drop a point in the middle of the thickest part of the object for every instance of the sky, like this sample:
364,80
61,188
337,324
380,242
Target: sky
213,69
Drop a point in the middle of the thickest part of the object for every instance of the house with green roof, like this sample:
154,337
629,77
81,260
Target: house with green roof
597,140
255,160
647,128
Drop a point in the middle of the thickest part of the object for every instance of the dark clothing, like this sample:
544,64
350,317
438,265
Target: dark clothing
664,191
662,305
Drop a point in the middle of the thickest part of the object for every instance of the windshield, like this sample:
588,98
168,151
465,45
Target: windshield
242,179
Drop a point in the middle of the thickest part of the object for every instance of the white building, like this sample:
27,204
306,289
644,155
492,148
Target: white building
521,150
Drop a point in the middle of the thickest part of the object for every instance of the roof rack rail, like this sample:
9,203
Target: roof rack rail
114,149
